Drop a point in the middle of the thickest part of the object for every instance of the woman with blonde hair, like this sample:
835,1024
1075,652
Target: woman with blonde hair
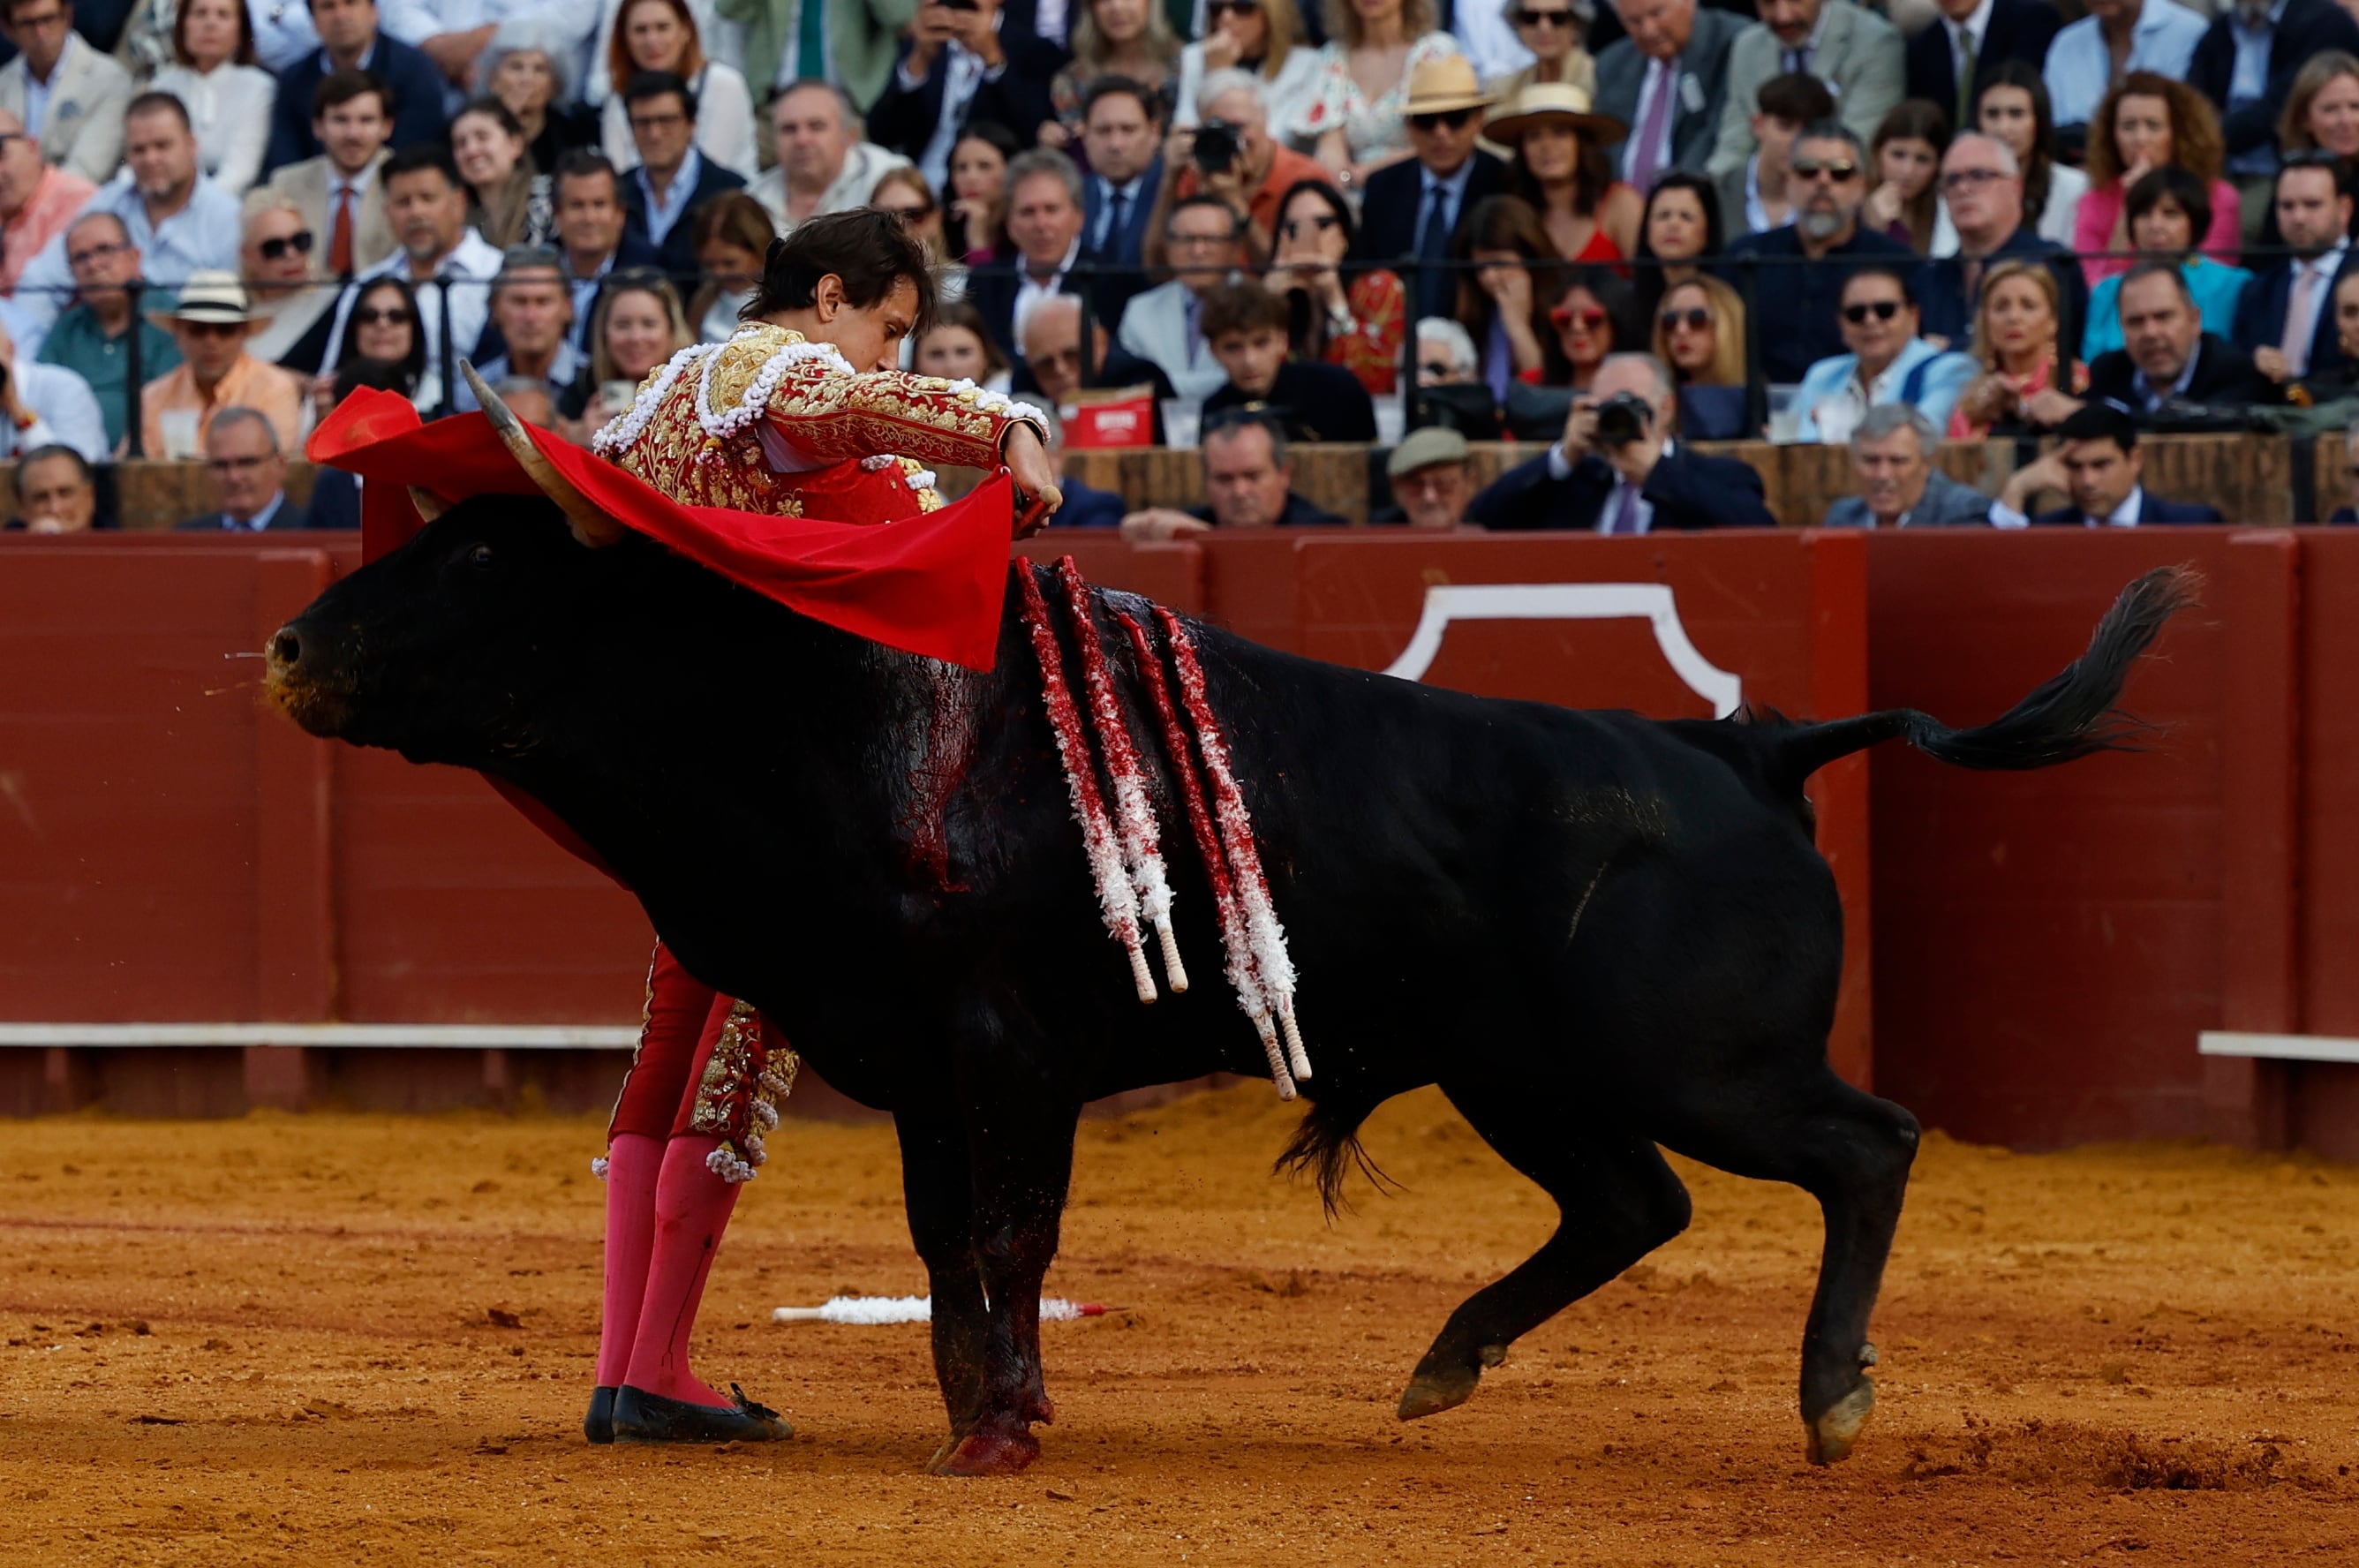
2018,324
1110,38
2321,113
638,325
1699,333
1265,37
660,35
1556,32
2147,121
1355,122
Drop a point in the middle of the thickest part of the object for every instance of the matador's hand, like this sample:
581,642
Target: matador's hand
1035,473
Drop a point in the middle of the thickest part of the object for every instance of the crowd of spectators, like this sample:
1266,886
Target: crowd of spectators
1885,224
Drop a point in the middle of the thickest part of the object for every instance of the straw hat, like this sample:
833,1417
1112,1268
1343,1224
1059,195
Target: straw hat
1438,86
215,297
1540,101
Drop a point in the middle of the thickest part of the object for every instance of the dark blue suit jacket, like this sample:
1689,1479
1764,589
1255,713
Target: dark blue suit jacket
1796,302
1123,254
904,119
2020,29
2152,509
991,290
335,500
1087,506
1687,489
288,518
2261,316
2308,27
1949,310
417,102
1394,205
676,255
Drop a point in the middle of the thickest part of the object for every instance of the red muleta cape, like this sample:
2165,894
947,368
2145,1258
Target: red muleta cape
929,584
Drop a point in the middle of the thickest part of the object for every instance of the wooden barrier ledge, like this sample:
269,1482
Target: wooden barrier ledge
2252,479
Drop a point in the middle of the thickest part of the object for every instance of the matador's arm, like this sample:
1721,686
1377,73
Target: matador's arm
830,417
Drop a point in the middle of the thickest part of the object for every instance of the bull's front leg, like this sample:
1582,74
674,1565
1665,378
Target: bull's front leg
1020,1142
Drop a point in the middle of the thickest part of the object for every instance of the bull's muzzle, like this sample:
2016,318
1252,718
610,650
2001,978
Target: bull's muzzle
303,690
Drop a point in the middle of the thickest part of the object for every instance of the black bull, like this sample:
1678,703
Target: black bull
1597,932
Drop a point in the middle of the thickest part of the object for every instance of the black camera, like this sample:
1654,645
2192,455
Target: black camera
1216,147
1623,418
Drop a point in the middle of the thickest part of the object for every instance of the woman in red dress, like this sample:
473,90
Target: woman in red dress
1561,168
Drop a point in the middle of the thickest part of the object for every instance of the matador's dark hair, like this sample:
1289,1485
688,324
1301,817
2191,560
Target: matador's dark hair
871,250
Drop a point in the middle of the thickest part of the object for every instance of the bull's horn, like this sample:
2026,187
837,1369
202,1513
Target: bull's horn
429,505
591,526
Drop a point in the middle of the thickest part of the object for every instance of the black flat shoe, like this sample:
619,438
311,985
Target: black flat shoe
642,1417
598,1426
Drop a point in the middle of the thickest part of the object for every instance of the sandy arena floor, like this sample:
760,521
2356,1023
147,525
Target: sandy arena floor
370,1339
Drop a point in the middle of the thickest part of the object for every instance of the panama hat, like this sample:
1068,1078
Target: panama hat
214,296
1438,87
1544,100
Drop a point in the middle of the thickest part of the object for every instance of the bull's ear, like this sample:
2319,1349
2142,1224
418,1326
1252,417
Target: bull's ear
429,505
591,526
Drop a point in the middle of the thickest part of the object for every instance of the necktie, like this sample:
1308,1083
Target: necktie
1651,121
810,41
1625,512
1966,42
1434,283
1797,61
2300,318
1118,220
340,241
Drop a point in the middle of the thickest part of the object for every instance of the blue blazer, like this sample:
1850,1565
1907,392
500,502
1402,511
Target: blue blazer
1125,247
904,119
2019,29
2261,315
2308,27
1087,506
416,86
1687,489
675,254
2152,509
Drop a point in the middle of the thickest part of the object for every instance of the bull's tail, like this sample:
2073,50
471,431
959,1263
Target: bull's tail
2071,715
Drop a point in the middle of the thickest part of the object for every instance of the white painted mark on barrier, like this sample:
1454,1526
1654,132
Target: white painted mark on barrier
1649,602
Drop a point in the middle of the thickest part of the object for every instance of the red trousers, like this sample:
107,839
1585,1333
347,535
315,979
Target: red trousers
684,1022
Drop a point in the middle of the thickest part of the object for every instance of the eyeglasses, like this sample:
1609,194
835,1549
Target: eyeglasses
917,215
1320,223
1958,178
1437,369
1589,316
383,316
1882,309
1456,119
1215,10
1544,18
1837,170
225,465
89,253
299,242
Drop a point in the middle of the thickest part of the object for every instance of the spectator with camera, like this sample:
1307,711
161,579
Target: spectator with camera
1888,363
1892,452
1165,325
958,68
1233,155
1358,324
1246,326
1808,260
1266,38
1248,480
1620,469
2102,472
1419,207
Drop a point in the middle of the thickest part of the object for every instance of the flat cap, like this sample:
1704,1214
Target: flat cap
1423,449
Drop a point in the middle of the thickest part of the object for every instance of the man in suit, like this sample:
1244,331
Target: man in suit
351,39
824,164
2286,318
1667,81
428,203
83,93
1050,371
592,234
1958,49
250,475
1086,506
1419,205
2159,35
2166,355
673,179
1892,453
2246,67
1984,185
1255,175
1119,129
2098,464
340,190
1595,480
1801,299
1044,221
1165,324
1248,480
957,67
1856,54
1244,325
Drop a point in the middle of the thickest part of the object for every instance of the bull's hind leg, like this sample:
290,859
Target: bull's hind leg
1851,1151
937,1182
1617,1202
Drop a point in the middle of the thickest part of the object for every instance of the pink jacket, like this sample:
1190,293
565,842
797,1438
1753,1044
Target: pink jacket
2102,207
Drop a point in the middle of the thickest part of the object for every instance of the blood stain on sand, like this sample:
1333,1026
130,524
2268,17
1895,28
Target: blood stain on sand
371,1338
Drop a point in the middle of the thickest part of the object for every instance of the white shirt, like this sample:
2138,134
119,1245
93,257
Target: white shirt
1965,40
2124,516
471,266
65,411
283,34
1756,216
229,110
2080,65
36,92
665,212
1030,292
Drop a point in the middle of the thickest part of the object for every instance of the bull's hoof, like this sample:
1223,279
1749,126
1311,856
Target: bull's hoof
1832,1435
989,1453
1436,1388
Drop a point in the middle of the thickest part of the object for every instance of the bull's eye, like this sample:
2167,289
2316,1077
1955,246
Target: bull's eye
480,556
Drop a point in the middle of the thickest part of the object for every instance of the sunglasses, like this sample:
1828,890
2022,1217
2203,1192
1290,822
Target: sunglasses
1882,309
383,316
1456,119
1839,171
1436,369
1695,318
1317,223
1589,316
299,242
1215,10
917,215
211,329
1544,18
